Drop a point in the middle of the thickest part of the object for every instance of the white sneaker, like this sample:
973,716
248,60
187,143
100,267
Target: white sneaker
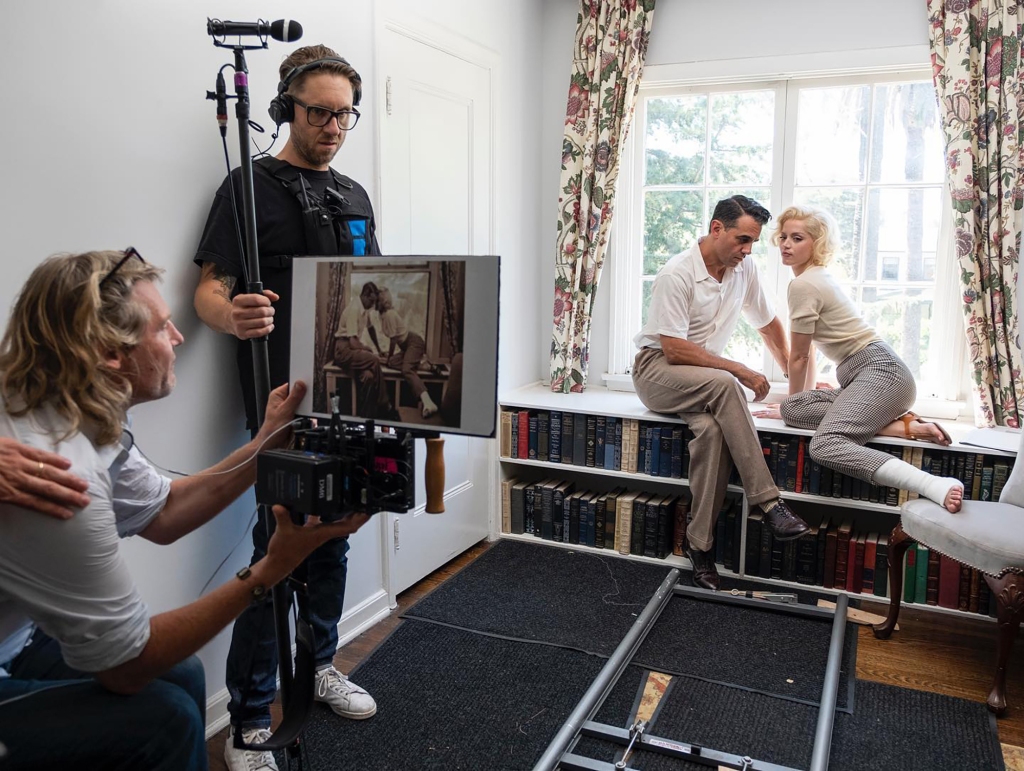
246,760
344,697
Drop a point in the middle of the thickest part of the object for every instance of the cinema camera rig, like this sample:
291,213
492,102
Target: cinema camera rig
336,470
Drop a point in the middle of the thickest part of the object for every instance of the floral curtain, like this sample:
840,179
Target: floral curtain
323,338
611,44
976,63
452,286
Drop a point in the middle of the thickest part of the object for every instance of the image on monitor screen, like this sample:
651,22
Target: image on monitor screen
408,341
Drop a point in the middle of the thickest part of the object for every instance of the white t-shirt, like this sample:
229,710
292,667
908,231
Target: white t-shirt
68,577
354,320
686,302
819,307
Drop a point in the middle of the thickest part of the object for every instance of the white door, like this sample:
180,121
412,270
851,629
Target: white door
436,191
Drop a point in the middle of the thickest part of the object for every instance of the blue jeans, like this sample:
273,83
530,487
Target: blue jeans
61,718
252,659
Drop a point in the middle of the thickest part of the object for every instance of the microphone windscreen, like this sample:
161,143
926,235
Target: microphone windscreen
285,30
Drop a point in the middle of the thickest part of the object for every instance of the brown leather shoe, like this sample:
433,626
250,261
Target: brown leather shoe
784,524
705,574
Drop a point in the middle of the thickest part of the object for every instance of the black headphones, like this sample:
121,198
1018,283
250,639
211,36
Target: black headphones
282,106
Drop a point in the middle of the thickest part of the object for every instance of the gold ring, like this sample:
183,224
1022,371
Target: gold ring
39,473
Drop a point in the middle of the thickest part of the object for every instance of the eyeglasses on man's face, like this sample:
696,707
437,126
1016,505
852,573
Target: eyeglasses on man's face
318,117
128,254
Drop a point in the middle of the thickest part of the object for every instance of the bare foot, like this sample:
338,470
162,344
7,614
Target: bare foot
922,430
929,432
954,499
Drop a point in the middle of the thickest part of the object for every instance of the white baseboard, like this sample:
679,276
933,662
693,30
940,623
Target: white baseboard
354,622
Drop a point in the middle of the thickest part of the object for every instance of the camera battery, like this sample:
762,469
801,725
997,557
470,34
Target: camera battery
303,482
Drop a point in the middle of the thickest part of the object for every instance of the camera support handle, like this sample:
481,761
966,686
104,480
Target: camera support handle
433,474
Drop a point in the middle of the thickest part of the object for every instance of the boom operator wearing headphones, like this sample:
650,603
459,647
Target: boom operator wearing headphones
303,207
88,678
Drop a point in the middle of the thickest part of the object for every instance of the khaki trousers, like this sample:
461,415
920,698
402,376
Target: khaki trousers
713,404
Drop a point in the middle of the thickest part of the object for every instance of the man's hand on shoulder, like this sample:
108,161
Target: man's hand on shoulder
39,480
281,406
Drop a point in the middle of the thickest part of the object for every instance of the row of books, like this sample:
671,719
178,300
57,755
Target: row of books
627,521
930,578
662,450
794,471
834,555
596,441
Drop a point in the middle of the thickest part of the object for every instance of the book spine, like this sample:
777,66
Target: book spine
579,439
543,435
682,510
555,438
505,447
665,456
518,508
600,526
910,574
590,453
524,434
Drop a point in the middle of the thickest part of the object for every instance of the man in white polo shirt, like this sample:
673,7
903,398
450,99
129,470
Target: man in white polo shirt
696,302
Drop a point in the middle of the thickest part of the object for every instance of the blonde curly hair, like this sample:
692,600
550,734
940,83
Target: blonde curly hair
821,226
62,327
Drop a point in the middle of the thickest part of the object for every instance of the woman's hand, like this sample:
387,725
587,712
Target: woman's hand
769,411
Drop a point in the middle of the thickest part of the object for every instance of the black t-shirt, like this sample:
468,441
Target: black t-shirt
281,235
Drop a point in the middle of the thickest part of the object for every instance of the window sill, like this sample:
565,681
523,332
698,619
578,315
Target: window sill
940,409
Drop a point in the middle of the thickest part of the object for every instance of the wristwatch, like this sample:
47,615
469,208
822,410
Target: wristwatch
258,591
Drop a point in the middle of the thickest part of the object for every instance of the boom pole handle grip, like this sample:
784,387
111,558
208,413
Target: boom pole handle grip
433,475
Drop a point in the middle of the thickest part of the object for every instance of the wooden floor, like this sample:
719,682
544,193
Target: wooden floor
931,652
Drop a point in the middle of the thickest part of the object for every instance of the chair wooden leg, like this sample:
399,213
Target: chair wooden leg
899,542
1008,594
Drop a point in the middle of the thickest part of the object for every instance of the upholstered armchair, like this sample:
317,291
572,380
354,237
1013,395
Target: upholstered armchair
985,535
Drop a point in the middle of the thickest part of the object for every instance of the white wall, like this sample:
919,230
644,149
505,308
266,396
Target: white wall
712,37
109,142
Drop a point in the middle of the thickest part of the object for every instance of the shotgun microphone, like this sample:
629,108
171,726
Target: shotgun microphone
284,30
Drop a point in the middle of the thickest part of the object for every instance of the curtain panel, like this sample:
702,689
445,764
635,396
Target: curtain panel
610,47
976,66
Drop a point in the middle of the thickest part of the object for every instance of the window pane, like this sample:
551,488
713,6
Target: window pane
832,135
907,144
901,225
903,318
742,131
645,304
675,139
845,204
746,346
672,223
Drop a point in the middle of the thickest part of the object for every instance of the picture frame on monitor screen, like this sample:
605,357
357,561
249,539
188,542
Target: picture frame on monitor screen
408,341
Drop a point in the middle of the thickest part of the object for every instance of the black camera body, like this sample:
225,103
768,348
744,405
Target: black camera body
339,469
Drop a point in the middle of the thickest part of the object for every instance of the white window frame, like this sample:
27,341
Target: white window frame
626,258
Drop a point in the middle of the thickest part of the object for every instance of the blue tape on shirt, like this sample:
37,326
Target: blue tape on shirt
358,230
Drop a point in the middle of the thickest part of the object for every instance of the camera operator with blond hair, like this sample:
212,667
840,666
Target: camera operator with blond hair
88,677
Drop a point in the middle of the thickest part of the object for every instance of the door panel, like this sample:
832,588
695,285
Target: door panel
435,200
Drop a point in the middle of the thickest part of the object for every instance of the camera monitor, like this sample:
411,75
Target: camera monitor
407,341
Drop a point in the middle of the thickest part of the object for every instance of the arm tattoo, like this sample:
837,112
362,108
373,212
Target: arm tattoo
227,282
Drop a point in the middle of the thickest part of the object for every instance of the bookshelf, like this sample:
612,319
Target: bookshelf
867,516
